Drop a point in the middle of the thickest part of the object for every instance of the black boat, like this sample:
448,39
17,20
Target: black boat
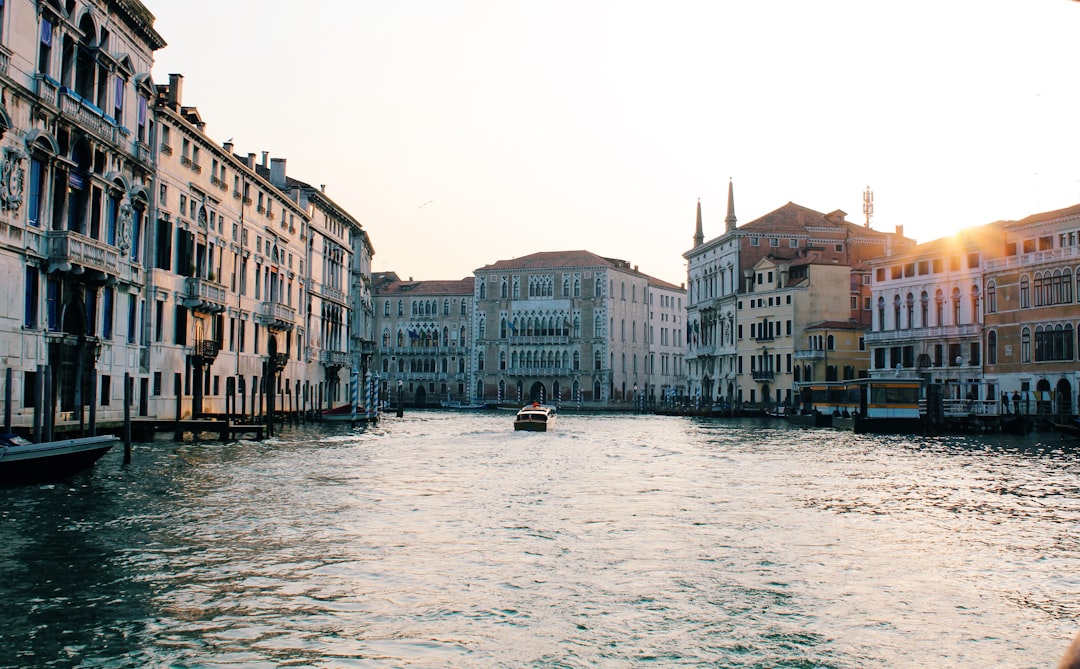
23,461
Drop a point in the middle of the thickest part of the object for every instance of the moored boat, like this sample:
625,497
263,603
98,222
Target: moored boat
24,461
535,417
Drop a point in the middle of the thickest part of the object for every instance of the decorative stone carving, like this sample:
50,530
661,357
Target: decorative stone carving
12,179
124,227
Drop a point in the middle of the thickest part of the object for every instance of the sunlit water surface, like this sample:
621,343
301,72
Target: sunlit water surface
449,540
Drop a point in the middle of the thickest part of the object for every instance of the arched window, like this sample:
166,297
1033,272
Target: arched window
956,305
577,360
991,348
1025,345
502,360
480,361
896,312
1066,286
924,309
881,313
909,306
991,297
503,288
939,308
597,360
1025,293
483,290
400,308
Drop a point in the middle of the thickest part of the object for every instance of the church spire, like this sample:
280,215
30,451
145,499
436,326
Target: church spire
699,234
730,220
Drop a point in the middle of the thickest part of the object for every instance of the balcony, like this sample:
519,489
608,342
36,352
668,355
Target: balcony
334,358
763,375
166,149
809,354
207,350
69,250
219,183
329,293
205,295
47,88
141,152
276,316
541,371
532,340
278,361
912,335
86,115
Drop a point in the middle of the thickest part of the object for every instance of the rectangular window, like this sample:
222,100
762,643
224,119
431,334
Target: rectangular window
30,311
132,309
159,320
52,304
157,383
180,332
107,297
33,202
106,390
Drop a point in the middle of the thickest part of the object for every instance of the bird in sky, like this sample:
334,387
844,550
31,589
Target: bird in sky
425,204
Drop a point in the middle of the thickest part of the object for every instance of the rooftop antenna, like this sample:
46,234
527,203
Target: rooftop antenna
868,205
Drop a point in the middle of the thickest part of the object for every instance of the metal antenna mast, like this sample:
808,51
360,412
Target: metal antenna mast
868,205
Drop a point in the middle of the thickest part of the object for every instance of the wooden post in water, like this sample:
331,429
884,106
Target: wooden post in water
128,385
230,406
50,405
39,401
178,432
93,402
7,401
267,387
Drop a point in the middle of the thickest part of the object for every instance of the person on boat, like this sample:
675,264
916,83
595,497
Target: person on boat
1016,402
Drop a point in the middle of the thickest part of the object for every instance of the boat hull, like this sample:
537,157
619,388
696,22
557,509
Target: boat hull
52,460
535,418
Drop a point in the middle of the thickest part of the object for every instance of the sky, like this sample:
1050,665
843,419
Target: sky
463,132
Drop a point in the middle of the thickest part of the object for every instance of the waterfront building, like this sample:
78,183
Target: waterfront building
722,274
570,326
1032,313
666,362
75,193
793,326
928,313
424,330
146,251
337,319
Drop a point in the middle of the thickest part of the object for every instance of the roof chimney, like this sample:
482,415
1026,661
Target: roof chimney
251,161
176,90
322,187
228,146
277,172
265,155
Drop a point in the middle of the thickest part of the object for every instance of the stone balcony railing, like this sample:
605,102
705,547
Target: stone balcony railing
47,88
1033,258
541,371
86,115
809,354
70,248
763,375
205,295
885,337
327,292
334,358
277,316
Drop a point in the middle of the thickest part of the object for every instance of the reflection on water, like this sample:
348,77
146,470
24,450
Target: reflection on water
443,539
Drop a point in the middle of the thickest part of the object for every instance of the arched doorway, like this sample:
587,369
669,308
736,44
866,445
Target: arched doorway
1064,401
537,393
72,358
421,396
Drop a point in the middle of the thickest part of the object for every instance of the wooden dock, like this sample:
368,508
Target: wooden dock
225,430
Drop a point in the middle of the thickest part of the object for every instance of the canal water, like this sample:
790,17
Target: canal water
449,540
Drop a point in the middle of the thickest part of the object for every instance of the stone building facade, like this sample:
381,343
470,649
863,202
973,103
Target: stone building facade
144,249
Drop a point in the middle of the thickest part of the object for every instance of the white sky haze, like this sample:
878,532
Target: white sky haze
557,125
